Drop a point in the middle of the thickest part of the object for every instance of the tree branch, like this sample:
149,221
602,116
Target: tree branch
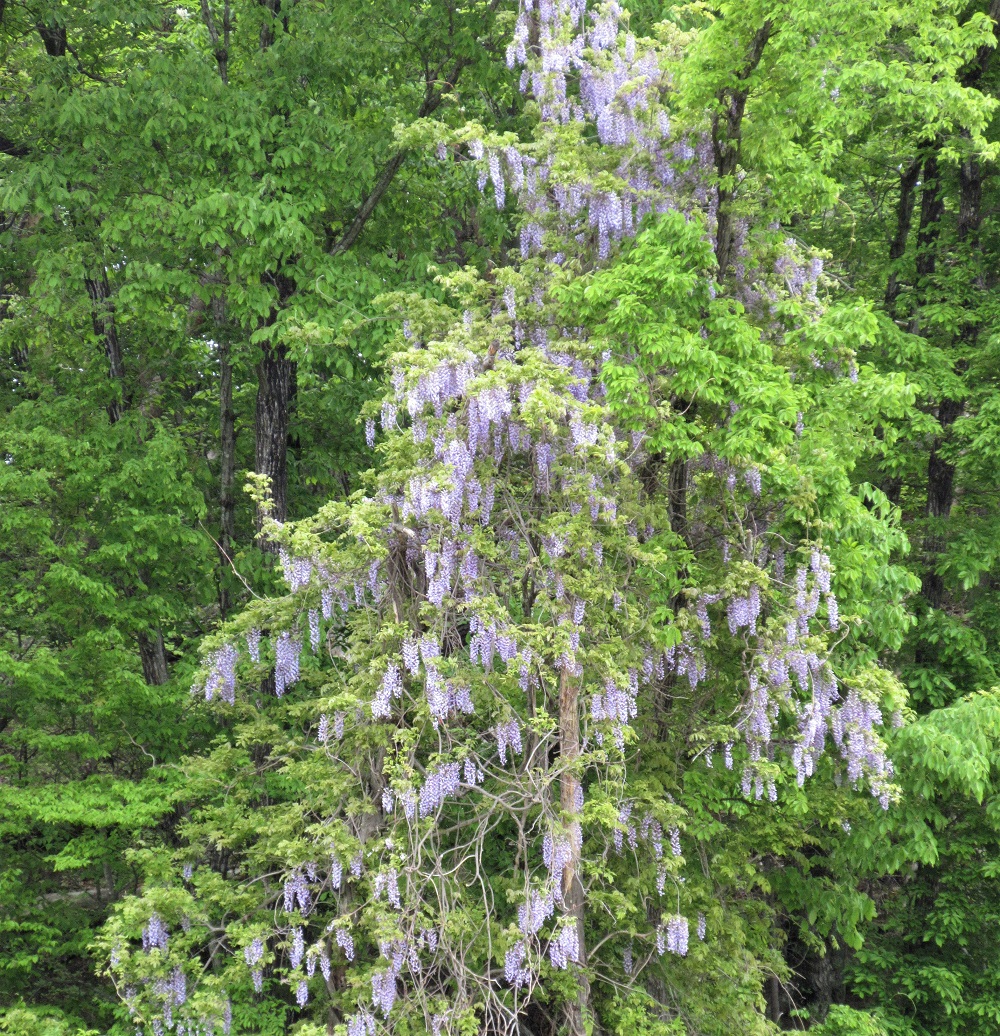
220,47
8,147
976,70
727,133
432,99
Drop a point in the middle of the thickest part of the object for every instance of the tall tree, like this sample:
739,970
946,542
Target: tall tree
512,582
165,170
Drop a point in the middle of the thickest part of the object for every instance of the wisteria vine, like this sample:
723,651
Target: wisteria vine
495,593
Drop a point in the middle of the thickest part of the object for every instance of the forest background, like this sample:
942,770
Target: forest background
236,238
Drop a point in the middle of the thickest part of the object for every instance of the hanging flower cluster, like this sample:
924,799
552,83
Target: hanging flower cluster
588,73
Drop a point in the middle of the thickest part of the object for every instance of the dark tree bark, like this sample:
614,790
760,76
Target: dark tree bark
109,878
154,658
970,199
103,315
677,497
54,38
227,447
152,653
940,497
727,134
826,979
931,210
973,74
227,466
892,486
904,218
276,372
573,893
197,308
774,1012
18,350
941,474
220,41
275,391
273,7
10,147
276,385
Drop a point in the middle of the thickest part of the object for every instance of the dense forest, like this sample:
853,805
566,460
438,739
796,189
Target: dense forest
500,517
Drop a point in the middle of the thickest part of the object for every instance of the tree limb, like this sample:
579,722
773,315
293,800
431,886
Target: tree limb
8,147
432,99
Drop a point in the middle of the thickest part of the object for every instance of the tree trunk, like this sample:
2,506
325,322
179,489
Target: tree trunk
154,659
904,218
276,384
103,316
54,38
109,878
774,1000
941,474
573,897
972,75
970,198
677,497
931,210
940,497
824,980
227,473
275,390
273,7
220,43
727,133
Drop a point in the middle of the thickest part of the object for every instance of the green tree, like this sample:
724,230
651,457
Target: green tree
198,203
722,400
